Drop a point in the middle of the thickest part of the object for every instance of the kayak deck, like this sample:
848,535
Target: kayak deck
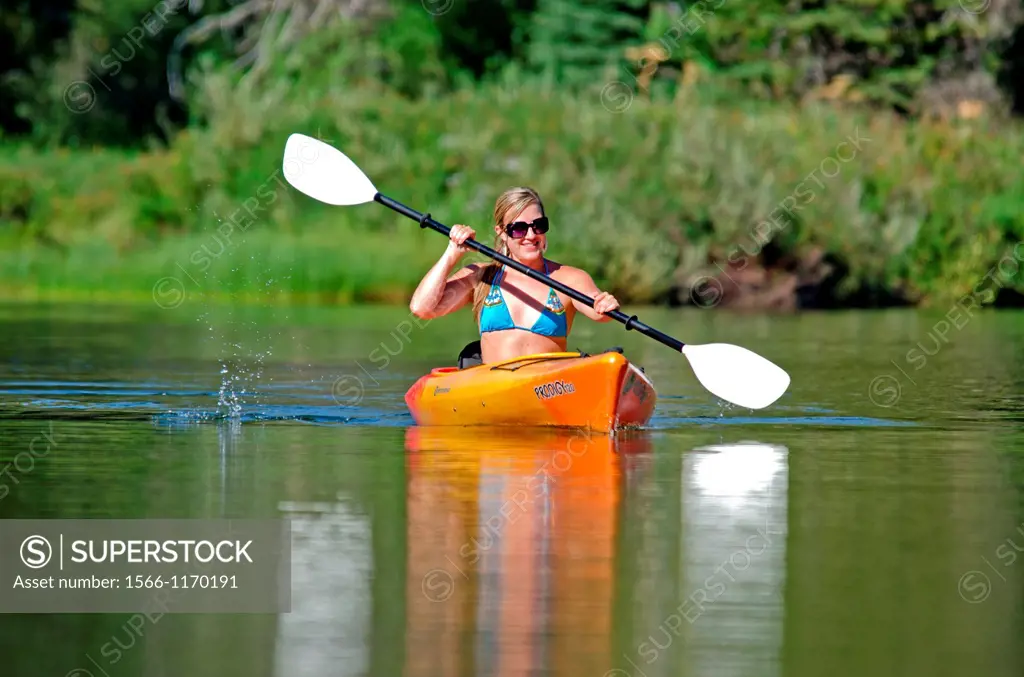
603,392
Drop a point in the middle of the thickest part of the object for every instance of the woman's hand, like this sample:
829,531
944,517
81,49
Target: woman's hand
457,236
605,302
439,292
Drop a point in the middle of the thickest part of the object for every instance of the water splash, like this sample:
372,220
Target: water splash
237,383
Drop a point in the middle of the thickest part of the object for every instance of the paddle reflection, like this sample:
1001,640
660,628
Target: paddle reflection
734,540
701,588
511,542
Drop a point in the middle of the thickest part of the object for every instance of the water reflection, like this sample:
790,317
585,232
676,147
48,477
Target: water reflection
538,552
882,523
511,550
734,539
705,563
332,566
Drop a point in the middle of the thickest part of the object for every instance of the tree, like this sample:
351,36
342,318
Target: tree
574,41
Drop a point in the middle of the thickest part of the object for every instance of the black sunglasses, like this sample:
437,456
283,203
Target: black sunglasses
518,229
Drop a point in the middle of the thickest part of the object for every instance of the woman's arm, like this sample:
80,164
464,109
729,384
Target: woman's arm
438,294
603,301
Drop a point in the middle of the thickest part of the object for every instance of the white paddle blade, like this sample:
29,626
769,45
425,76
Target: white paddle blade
736,374
324,173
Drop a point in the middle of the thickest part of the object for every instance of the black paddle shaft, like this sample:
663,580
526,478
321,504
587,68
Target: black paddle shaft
630,321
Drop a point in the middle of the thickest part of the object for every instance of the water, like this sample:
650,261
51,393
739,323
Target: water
869,523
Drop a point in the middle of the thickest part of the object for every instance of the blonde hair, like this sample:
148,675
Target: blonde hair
507,207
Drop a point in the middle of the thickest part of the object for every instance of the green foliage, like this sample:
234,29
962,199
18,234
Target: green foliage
30,34
573,41
446,110
107,82
481,37
903,53
86,71
643,202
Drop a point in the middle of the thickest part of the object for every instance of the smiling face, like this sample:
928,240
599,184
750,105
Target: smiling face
530,248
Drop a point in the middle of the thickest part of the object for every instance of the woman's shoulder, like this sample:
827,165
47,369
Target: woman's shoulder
566,273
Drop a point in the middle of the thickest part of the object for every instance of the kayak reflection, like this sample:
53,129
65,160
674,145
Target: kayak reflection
511,542
567,553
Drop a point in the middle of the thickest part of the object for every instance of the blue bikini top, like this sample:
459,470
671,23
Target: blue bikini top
494,315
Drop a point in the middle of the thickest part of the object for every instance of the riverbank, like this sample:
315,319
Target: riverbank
659,201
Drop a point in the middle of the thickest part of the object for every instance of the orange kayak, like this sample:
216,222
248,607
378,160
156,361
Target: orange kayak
603,392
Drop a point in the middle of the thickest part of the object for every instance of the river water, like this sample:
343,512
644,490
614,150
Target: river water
870,523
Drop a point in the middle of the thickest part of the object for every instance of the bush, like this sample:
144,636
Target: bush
918,57
646,199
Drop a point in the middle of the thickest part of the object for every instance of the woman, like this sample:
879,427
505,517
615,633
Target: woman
516,314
